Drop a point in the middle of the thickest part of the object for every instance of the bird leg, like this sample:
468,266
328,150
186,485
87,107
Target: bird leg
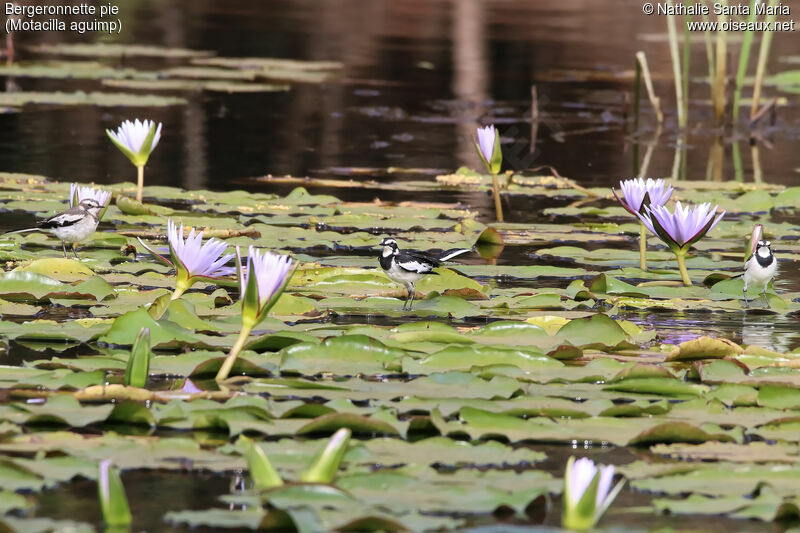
75,251
766,300
744,293
64,247
411,292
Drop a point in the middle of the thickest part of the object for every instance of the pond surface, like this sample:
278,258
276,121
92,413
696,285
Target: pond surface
418,77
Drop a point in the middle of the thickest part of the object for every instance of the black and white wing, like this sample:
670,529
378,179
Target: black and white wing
447,255
416,262
70,217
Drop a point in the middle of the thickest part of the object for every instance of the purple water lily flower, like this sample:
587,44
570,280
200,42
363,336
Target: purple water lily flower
634,191
488,148
270,272
200,259
261,283
486,138
681,228
192,259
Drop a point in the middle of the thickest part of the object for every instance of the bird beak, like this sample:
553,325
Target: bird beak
758,233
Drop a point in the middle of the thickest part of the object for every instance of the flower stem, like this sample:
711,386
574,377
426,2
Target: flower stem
498,208
177,293
139,182
227,365
642,246
682,266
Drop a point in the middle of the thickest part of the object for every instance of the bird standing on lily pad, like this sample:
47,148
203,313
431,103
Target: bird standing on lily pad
759,269
488,147
137,140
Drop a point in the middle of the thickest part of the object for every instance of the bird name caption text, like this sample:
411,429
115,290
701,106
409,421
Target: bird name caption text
58,17
727,16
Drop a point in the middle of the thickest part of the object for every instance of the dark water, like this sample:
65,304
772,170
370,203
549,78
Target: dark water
419,76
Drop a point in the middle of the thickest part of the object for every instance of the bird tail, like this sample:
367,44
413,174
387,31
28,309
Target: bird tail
447,255
26,230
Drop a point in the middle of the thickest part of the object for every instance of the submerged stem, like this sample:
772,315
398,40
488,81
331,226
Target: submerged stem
227,365
642,246
682,266
139,182
498,207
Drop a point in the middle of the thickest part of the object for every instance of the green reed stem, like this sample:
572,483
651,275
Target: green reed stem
642,246
676,70
744,59
498,206
139,182
227,365
763,57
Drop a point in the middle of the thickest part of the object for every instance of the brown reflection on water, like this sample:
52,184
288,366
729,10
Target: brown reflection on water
419,76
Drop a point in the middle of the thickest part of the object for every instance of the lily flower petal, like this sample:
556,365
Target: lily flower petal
195,257
78,193
637,193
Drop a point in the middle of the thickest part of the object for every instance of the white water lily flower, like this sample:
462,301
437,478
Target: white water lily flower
136,139
78,193
587,493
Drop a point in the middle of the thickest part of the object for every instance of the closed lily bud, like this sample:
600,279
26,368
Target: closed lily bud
488,147
587,493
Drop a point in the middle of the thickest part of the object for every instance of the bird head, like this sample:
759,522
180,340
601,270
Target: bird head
91,205
389,246
763,248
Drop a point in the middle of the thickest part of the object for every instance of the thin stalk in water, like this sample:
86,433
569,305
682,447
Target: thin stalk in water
676,70
744,59
718,92
498,206
682,267
763,57
227,365
139,182
738,171
642,246
637,97
687,49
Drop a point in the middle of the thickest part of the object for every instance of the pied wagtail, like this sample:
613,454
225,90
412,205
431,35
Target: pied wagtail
759,269
73,225
407,268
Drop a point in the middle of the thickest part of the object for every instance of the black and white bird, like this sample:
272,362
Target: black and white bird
74,225
407,268
760,268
